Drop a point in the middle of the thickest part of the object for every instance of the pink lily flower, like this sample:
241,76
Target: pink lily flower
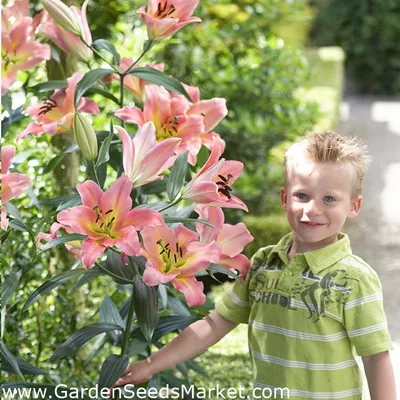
66,40
131,82
165,17
212,184
176,255
168,114
231,238
107,220
55,115
212,111
143,158
19,51
12,183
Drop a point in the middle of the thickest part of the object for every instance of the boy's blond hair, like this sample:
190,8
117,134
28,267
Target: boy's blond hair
330,147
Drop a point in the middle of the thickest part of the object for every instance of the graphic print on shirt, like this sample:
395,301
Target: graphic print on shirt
312,292
316,291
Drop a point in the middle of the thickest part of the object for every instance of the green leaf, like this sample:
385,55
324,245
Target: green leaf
51,284
196,367
10,358
156,77
120,272
104,155
80,337
168,219
102,44
72,201
109,313
14,117
177,306
8,287
26,368
112,369
172,323
215,268
105,93
146,308
177,178
90,274
88,81
12,210
19,225
154,206
49,86
157,186
61,240
53,163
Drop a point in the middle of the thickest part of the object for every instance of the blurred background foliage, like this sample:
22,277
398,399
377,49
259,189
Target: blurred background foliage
369,33
251,52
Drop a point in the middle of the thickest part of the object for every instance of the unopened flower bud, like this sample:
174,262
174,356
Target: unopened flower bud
63,16
85,137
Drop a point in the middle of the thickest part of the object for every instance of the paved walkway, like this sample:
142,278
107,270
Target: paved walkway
375,234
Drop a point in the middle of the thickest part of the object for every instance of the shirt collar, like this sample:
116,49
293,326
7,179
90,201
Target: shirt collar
319,259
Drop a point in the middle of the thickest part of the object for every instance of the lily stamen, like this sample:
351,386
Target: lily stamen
48,105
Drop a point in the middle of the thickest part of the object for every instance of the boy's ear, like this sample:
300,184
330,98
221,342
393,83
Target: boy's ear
284,198
355,207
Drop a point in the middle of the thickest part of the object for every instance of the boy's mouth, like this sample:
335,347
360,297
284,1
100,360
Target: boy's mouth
312,224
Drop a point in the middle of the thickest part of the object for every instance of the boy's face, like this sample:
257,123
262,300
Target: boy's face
318,199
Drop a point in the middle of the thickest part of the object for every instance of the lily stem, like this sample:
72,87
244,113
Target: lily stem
127,331
98,54
147,48
171,205
121,93
95,173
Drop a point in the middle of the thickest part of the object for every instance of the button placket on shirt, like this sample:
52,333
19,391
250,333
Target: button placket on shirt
290,275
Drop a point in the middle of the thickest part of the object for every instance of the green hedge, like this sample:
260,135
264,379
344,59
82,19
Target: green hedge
369,33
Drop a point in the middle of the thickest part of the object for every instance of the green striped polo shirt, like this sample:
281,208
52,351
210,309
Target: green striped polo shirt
308,317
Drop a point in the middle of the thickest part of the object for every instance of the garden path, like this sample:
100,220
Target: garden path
375,234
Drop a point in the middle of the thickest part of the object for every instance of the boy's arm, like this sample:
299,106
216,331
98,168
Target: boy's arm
380,376
195,339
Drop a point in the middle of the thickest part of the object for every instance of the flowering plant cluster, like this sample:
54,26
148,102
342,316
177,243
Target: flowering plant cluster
110,229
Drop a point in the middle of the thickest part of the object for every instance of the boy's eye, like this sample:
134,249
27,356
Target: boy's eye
329,199
301,196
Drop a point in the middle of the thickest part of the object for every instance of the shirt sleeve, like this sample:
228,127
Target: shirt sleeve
364,317
234,304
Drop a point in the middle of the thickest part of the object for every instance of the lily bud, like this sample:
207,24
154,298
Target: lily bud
85,137
63,16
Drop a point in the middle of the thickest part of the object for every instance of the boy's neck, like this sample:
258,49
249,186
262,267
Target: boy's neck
295,248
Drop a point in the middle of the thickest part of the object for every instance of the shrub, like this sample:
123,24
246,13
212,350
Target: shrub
369,34
236,56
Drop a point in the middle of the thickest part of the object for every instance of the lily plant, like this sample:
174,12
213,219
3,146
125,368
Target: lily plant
133,216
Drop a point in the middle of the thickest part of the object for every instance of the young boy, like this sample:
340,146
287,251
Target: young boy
308,301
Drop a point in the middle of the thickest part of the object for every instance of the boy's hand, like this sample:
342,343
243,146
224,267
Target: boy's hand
135,373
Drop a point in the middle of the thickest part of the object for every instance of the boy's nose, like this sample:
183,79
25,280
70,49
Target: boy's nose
311,208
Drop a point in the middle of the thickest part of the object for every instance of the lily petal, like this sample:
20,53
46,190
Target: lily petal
233,238
192,289
7,154
213,111
129,242
117,198
199,257
91,251
80,219
131,114
90,193
215,215
140,218
12,185
202,192
238,263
